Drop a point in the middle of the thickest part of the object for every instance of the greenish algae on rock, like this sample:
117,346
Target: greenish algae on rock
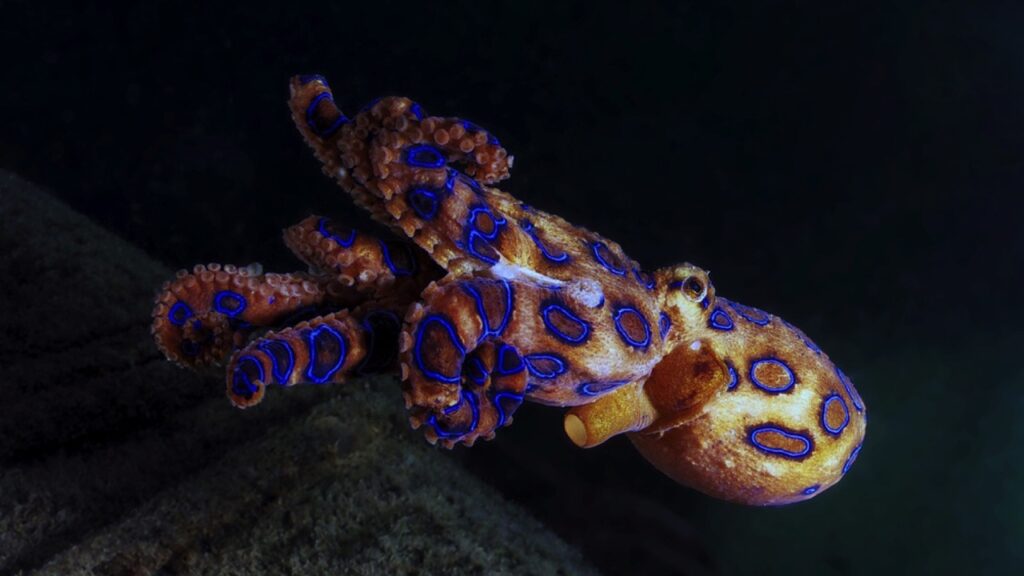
112,461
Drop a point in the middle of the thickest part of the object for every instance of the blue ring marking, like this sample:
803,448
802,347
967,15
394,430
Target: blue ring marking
279,374
810,490
766,387
229,303
647,282
504,367
755,431
179,313
307,78
241,382
321,227
418,348
824,414
417,111
704,303
497,222
481,310
720,320
545,314
664,324
466,397
391,265
848,385
852,458
675,285
750,314
598,388
311,112
478,251
535,364
480,378
475,234
596,247
424,202
424,156
528,227
502,417
368,362
312,338
625,335
734,377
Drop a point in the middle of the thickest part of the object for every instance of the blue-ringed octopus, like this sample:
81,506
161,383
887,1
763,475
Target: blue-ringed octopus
480,302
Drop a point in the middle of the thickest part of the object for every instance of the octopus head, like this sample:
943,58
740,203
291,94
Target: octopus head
744,406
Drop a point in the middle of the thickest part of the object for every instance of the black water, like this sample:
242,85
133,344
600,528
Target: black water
856,169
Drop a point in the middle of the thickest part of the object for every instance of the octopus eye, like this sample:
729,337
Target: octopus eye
694,288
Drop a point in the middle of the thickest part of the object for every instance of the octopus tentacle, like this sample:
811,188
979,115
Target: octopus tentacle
360,260
462,378
201,316
324,350
320,122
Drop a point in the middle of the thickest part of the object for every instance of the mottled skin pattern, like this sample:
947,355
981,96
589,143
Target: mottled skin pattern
487,302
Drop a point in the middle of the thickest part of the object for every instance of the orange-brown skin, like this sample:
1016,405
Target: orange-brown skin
502,303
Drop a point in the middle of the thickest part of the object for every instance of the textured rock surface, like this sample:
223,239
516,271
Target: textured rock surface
114,462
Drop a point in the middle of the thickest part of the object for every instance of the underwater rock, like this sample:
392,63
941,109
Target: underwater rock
112,461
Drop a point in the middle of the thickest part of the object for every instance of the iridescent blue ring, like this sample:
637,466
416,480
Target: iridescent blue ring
311,113
424,156
626,337
599,388
664,324
808,444
229,303
311,339
505,367
824,414
321,227
766,387
481,310
545,314
720,320
535,364
596,248
502,417
179,313
280,374
528,227
424,202
418,348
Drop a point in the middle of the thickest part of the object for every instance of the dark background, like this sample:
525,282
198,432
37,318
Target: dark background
855,168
